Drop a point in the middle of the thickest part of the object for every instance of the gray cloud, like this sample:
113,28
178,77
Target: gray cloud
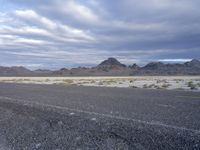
74,33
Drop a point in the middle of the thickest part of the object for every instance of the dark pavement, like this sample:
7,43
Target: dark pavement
71,117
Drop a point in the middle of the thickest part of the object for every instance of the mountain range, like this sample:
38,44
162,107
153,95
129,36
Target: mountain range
111,67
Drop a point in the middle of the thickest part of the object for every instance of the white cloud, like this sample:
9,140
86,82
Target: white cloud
31,29
30,41
74,10
24,30
175,60
34,17
58,29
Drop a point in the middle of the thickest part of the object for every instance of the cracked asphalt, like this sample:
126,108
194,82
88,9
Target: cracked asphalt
55,117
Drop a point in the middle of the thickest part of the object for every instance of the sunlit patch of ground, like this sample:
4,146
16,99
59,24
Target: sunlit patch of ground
149,82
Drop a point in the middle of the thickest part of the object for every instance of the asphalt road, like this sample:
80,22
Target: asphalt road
59,117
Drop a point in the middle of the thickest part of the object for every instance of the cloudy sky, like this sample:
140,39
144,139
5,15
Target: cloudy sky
68,33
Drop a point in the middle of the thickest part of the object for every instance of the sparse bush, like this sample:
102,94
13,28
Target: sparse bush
151,85
178,80
47,80
100,83
165,86
134,87
198,84
157,87
131,81
145,86
108,82
111,81
161,81
93,81
67,81
158,81
191,85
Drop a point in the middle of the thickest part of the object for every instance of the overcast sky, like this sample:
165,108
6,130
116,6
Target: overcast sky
67,33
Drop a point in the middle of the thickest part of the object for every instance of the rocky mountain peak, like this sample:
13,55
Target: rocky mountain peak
134,66
154,65
194,63
110,63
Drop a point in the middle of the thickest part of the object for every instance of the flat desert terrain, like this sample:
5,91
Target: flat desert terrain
148,82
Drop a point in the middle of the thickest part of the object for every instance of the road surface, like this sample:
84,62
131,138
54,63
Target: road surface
60,117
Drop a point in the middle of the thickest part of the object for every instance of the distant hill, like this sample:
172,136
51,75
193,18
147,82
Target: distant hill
14,71
111,67
194,63
159,68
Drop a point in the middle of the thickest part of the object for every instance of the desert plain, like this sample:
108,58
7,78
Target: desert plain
189,83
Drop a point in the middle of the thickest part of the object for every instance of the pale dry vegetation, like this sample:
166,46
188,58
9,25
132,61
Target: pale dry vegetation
148,82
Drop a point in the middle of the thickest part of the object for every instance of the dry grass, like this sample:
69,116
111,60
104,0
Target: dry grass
151,82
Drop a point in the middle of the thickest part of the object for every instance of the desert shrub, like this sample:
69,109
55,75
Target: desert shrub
131,81
100,83
178,80
157,87
92,81
161,81
134,87
112,81
67,81
145,86
109,81
198,84
192,85
151,85
47,80
165,85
